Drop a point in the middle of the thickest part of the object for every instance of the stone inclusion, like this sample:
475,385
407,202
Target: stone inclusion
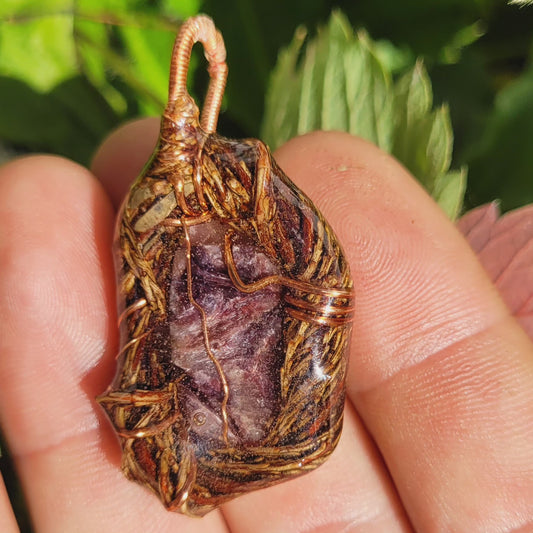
245,331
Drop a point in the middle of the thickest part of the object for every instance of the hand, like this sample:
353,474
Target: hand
438,432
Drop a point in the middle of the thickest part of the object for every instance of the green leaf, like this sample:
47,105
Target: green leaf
27,8
307,114
392,58
333,80
413,96
40,52
521,2
92,45
150,50
449,192
500,165
70,120
423,138
369,93
181,8
339,83
452,51
119,47
282,97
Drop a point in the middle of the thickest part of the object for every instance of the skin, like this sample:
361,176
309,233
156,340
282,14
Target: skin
439,417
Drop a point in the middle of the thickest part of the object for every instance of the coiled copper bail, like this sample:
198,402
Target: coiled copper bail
200,29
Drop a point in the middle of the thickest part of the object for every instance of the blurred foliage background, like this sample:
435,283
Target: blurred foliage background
71,70
413,76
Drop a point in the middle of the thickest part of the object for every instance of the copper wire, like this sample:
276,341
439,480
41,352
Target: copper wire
151,429
262,283
200,29
139,304
131,343
207,344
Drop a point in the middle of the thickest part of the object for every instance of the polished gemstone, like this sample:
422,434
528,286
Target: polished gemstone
235,304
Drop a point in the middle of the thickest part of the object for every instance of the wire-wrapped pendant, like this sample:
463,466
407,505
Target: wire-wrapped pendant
235,302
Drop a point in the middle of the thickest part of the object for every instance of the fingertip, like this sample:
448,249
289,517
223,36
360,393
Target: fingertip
57,342
23,170
335,167
123,155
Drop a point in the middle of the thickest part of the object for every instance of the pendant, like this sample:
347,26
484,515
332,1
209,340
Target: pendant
236,303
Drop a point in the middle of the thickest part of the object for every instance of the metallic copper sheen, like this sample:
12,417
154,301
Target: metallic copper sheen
235,304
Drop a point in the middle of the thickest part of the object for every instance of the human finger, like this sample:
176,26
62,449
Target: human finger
124,153
440,372
398,243
57,346
350,492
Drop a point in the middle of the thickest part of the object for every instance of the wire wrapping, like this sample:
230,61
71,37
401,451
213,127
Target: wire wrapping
200,29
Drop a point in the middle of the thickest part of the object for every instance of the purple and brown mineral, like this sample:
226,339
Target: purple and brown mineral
235,302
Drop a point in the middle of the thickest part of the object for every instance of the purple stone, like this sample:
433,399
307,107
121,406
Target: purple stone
236,303
244,333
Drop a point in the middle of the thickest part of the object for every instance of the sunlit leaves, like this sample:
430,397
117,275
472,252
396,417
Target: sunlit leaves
40,51
338,82
112,55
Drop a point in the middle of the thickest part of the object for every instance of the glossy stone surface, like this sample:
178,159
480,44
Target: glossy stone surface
245,332
235,303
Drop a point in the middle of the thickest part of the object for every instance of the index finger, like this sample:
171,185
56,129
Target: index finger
57,344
